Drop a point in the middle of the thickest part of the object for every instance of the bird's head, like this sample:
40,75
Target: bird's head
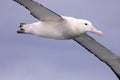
86,26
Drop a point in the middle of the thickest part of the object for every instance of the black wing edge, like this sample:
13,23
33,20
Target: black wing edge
61,18
102,53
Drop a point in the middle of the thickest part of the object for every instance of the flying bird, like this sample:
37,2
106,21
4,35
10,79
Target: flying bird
52,25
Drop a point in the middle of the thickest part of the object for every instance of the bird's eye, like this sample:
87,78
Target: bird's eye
86,24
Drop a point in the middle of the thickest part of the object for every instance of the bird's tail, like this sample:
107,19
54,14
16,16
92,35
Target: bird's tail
21,30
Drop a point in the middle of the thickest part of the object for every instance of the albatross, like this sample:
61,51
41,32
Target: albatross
51,25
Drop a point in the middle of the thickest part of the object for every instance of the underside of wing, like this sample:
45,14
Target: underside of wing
39,11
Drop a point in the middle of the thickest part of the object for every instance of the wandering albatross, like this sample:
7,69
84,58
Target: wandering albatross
52,25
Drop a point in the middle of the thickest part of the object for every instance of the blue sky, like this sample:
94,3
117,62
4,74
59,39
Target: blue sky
26,57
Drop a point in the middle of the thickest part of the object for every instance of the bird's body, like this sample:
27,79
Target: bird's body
65,29
52,25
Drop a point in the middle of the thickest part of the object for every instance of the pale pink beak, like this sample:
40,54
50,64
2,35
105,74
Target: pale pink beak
93,30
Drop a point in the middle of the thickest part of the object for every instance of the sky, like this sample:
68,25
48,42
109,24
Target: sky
26,57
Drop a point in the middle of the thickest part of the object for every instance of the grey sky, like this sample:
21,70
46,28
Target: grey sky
25,57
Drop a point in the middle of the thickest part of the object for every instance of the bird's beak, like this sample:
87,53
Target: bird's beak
93,30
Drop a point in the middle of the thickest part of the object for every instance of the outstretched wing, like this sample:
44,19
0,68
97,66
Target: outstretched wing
39,11
101,52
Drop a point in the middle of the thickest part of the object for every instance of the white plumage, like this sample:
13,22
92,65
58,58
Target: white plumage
52,25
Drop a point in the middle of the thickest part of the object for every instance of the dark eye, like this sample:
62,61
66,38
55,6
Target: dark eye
86,24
